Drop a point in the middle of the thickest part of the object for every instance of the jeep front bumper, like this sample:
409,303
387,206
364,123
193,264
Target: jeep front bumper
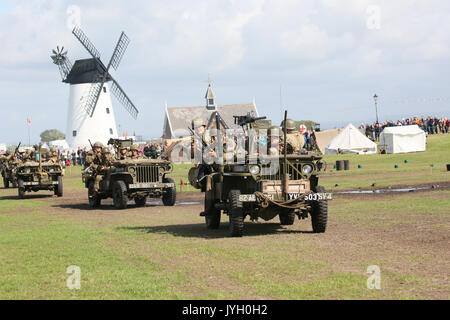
151,185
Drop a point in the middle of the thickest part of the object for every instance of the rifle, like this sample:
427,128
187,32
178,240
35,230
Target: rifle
243,120
194,134
17,148
91,144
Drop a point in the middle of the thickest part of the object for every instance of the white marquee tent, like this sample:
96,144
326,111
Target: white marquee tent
351,140
403,139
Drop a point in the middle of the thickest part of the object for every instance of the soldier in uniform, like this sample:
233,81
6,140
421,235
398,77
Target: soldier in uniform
274,144
103,166
294,139
197,143
122,154
135,152
93,158
52,156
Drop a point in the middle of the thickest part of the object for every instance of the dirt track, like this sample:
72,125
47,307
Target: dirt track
412,247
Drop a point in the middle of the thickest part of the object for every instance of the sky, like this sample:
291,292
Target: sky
328,57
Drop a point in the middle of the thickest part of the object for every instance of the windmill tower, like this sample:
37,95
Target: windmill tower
91,114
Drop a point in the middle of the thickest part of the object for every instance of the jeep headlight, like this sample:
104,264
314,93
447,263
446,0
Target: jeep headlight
254,170
307,169
27,170
131,170
52,170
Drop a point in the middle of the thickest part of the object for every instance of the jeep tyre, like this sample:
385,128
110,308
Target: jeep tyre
212,215
21,189
319,213
5,182
94,201
287,217
120,196
140,201
58,189
235,214
170,194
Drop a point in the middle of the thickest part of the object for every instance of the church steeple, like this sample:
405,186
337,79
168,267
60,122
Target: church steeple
210,97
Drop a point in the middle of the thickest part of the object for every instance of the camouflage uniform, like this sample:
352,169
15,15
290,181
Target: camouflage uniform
52,156
135,156
102,168
93,158
120,156
294,139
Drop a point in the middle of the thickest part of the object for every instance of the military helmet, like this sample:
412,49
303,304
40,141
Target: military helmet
105,150
52,149
290,124
134,147
98,144
274,131
21,150
197,122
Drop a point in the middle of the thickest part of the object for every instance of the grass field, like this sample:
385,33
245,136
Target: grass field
161,252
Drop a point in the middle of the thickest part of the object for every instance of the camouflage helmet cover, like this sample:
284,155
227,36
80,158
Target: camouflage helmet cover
52,149
134,147
105,150
290,124
197,122
98,144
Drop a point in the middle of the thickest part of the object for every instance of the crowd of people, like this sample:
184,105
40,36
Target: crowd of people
431,125
77,157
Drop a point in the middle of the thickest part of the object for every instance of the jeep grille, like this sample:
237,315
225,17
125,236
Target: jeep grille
293,174
147,174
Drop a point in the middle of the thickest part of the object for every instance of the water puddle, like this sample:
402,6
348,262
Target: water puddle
159,203
392,190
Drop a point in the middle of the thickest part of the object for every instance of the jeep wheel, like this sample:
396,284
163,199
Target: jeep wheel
14,183
319,213
5,182
236,214
212,215
120,195
58,191
21,189
140,201
94,200
287,217
170,194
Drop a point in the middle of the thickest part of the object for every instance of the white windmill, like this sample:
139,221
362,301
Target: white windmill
91,115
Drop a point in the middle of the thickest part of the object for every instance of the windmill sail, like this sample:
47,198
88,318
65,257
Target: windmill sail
123,99
79,34
121,46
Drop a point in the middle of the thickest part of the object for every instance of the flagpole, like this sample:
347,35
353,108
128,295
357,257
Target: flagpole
29,125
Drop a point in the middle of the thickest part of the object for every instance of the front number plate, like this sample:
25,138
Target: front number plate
247,198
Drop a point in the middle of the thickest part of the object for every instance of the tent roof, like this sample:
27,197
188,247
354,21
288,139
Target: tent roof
403,130
350,139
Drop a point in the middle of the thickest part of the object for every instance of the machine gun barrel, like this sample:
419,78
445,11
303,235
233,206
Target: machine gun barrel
243,120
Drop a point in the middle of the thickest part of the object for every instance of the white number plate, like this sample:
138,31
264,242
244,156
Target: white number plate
319,196
247,198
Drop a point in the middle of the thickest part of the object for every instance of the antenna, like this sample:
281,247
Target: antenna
281,104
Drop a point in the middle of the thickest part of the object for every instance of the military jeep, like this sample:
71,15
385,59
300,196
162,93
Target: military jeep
283,185
35,176
132,179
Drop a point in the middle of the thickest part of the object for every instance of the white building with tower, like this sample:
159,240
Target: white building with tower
177,119
91,115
